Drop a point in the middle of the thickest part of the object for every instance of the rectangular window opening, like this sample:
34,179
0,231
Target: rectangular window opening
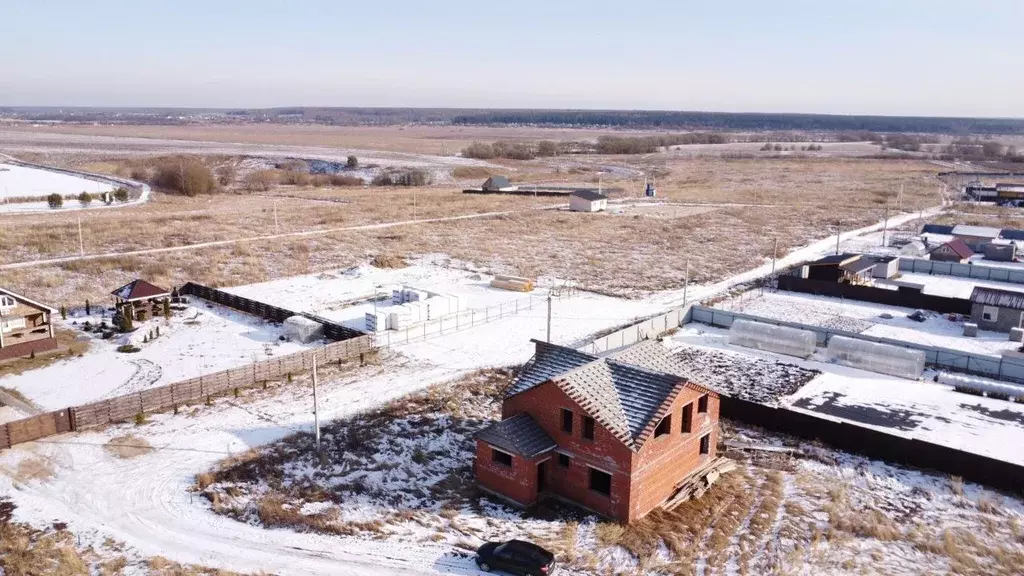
566,420
664,427
705,444
503,458
601,482
564,460
702,404
588,427
688,418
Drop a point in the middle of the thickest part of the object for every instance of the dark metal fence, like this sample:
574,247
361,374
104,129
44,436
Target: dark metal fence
903,297
332,330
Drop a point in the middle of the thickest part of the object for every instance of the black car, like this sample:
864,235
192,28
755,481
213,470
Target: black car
515,557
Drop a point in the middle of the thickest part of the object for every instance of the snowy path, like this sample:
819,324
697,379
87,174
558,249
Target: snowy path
144,502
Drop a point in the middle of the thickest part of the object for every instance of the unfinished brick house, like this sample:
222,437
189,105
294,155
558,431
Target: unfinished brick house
619,435
25,327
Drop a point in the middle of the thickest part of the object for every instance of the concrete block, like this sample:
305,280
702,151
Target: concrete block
1017,334
970,329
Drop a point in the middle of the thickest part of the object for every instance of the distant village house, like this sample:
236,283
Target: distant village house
587,201
956,250
498,184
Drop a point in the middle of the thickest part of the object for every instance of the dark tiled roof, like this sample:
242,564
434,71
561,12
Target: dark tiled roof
589,195
547,362
959,247
1000,298
139,289
624,399
651,355
519,434
624,391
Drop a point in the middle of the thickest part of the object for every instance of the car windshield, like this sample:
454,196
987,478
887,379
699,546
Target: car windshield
501,548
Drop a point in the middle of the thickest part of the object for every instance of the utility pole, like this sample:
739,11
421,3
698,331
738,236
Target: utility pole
81,240
775,254
549,318
316,413
686,281
885,224
839,232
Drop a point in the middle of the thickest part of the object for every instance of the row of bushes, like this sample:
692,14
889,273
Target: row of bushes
263,180
604,145
769,147
120,195
402,178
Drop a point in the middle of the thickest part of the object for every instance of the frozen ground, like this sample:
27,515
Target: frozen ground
954,287
202,339
21,181
865,318
914,409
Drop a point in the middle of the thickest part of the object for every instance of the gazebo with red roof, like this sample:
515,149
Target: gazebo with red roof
139,291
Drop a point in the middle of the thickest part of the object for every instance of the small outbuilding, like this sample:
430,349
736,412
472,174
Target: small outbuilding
1000,251
975,236
25,326
885,266
851,268
137,294
997,310
498,184
303,329
587,201
913,249
956,250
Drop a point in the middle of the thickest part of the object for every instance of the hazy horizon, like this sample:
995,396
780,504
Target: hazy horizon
911,58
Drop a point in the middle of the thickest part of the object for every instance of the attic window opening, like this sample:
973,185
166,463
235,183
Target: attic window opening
664,427
566,420
702,404
6,302
601,482
564,460
588,427
503,458
688,418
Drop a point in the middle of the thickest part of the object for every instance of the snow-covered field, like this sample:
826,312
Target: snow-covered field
865,318
953,287
202,339
924,410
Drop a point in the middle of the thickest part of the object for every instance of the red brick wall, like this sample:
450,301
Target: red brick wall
26,348
544,403
518,482
663,461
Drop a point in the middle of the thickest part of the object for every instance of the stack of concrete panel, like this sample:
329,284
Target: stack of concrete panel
970,329
378,321
1016,334
303,329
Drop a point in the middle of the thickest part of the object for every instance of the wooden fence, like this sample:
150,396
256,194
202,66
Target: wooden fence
125,408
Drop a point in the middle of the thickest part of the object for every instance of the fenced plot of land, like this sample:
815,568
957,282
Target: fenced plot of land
867,318
403,474
201,339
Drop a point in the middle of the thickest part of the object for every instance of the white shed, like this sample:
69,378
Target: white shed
587,201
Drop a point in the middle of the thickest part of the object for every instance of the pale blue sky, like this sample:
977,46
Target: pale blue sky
906,57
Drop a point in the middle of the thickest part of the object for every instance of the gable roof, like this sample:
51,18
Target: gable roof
980,231
17,296
958,246
137,289
589,195
996,297
627,391
497,182
519,434
936,229
859,265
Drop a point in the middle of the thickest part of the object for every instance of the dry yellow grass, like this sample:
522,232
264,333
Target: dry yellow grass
33,468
